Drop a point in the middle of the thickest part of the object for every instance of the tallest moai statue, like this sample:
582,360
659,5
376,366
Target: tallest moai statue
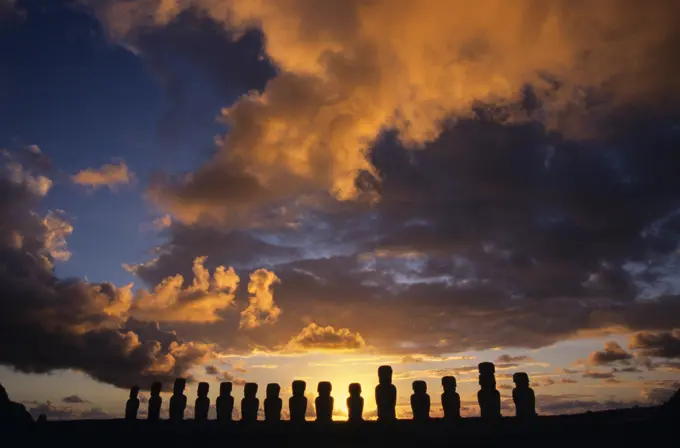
488,397
386,395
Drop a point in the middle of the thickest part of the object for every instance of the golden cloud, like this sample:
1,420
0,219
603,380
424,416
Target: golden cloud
108,175
350,68
198,302
316,338
261,308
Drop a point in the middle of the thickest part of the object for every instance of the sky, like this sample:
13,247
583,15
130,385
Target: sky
253,191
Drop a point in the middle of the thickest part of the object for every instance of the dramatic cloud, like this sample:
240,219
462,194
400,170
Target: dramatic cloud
261,307
199,302
350,69
109,175
662,344
72,324
612,352
316,338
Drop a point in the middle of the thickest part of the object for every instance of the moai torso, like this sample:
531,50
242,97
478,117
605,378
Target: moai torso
131,408
355,403
178,401
420,401
386,395
523,396
249,404
202,405
450,398
273,404
324,403
225,403
489,403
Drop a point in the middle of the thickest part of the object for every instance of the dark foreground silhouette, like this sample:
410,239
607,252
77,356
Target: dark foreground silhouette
624,428
653,426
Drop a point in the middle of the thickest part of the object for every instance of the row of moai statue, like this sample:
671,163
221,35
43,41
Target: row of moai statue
385,395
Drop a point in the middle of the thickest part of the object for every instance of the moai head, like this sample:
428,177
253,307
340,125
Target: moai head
225,388
449,383
156,389
178,388
250,390
324,388
355,389
203,389
385,374
273,390
521,380
419,387
299,387
486,368
487,381
134,392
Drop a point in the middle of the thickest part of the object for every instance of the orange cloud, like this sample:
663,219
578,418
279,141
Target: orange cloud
108,175
199,302
261,308
316,338
349,69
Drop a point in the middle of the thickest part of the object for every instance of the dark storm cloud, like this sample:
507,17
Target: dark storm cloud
74,399
58,323
201,67
662,344
612,352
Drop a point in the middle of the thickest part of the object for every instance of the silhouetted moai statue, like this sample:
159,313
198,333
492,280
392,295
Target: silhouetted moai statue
225,403
272,403
250,403
155,402
132,405
202,405
297,404
420,402
178,401
488,397
386,395
523,396
324,403
450,399
13,416
355,403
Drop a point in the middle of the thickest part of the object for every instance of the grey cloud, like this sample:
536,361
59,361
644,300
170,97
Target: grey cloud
74,399
662,344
